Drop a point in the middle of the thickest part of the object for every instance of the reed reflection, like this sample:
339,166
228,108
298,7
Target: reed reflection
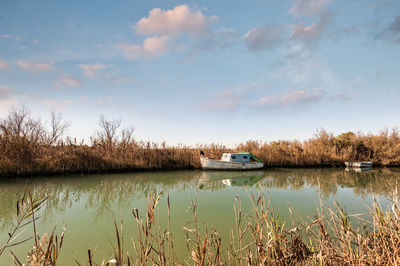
103,194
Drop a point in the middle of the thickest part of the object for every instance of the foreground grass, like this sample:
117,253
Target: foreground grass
28,147
259,237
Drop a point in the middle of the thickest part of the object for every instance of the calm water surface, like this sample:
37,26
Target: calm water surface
88,205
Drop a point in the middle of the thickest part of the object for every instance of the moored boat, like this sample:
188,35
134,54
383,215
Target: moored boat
358,164
232,161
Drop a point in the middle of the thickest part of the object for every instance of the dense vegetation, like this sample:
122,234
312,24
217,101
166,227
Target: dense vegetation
29,146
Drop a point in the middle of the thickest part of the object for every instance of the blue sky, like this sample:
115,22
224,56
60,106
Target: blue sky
205,71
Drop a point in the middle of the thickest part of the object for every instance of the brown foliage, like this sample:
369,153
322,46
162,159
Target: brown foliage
28,148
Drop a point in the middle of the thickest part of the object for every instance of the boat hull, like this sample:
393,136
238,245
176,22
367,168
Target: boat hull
210,164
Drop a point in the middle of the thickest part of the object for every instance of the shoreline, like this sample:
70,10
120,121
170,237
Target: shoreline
142,170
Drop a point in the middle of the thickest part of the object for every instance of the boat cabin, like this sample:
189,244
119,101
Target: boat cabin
236,157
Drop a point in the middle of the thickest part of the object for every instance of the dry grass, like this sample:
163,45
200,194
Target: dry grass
46,249
27,147
258,238
261,238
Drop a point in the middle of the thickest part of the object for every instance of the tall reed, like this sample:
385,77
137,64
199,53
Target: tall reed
260,237
28,147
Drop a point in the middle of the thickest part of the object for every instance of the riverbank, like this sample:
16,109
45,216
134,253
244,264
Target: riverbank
21,158
28,148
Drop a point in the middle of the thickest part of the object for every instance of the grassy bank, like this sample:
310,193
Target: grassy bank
259,237
29,146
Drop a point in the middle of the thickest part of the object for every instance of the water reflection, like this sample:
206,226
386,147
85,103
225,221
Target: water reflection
88,204
359,169
242,178
100,193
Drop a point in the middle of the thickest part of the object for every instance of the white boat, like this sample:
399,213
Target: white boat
232,161
358,164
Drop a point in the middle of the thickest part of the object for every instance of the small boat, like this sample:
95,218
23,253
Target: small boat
358,164
232,161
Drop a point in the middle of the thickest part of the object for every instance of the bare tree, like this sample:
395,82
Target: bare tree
58,126
126,135
19,123
108,130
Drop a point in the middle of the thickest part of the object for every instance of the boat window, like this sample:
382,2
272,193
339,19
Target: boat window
233,156
244,157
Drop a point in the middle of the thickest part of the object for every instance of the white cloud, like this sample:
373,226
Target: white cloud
296,98
3,64
152,47
263,37
32,66
165,27
95,69
173,22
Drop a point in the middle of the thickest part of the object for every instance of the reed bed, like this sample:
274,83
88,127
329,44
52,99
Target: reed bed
28,147
259,237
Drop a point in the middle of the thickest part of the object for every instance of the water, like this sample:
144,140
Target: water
88,205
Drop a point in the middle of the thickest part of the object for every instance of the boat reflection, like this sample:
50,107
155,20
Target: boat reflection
359,169
239,179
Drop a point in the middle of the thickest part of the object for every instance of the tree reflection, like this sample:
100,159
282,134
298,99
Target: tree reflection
104,195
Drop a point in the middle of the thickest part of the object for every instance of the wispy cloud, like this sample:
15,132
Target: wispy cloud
95,70
227,100
33,66
263,37
174,22
292,99
67,81
310,34
309,7
3,64
12,36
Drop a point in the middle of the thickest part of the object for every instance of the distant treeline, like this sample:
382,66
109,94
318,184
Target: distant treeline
29,146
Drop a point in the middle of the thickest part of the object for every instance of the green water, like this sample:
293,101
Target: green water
88,205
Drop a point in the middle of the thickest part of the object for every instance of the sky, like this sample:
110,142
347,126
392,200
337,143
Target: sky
199,72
